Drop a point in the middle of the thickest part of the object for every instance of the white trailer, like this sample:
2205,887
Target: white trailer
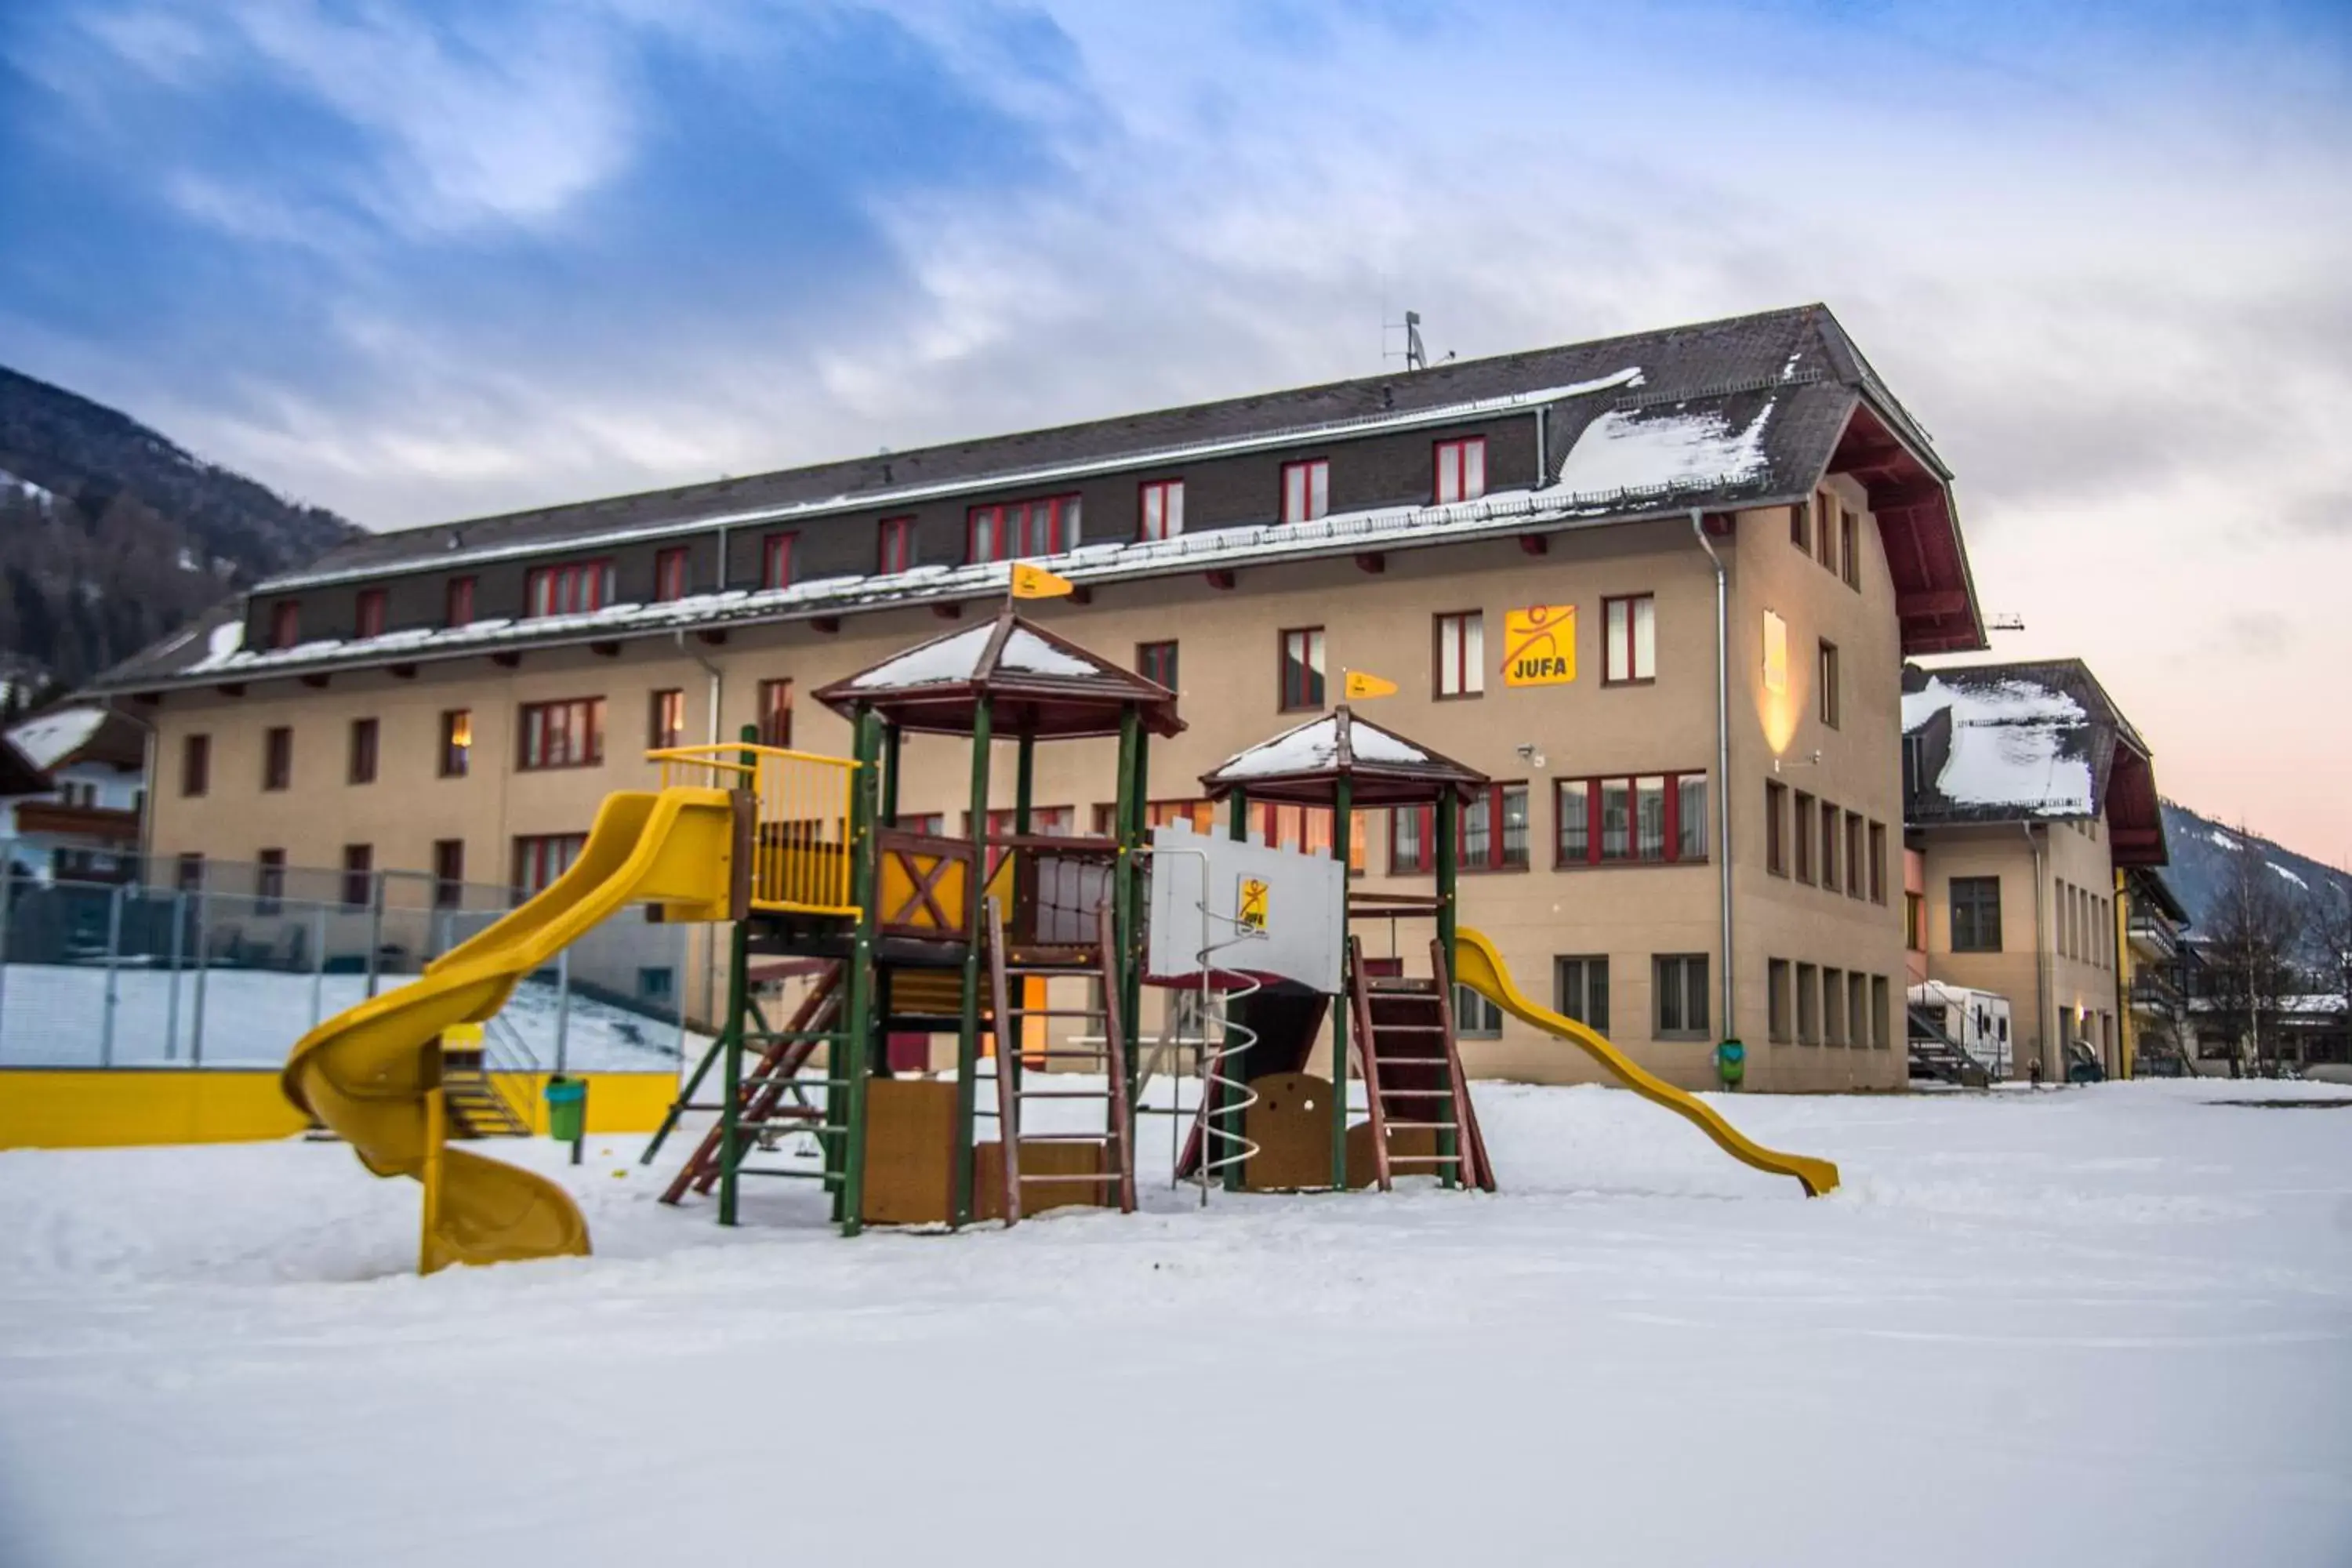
1976,1021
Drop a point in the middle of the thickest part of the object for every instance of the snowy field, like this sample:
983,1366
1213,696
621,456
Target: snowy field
2099,1326
55,1017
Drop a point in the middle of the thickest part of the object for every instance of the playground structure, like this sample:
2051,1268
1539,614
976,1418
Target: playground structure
907,934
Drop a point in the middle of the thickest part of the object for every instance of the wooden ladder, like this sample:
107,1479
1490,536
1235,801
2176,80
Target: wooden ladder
1106,1049
1411,1064
761,1098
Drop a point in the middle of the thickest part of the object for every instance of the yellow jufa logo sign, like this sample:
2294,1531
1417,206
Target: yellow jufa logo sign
1539,645
1360,687
1253,904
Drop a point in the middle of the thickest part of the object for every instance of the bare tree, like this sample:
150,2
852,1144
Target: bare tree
2254,934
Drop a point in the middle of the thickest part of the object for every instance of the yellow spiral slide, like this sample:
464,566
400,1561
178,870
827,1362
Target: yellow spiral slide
368,1073
1477,965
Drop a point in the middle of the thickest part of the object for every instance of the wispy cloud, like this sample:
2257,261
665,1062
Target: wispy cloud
426,262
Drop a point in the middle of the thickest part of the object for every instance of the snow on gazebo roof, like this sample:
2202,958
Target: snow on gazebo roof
1036,683
1304,766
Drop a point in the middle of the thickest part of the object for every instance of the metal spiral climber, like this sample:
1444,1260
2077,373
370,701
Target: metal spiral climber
1223,1146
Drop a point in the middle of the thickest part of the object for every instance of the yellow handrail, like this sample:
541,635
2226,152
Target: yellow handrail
799,844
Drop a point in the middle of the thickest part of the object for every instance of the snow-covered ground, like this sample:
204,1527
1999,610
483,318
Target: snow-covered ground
54,1016
2105,1325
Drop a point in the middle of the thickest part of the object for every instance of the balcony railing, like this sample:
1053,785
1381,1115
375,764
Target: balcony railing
2152,991
2153,936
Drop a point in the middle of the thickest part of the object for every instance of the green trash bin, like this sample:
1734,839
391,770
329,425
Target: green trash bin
1731,1063
567,1109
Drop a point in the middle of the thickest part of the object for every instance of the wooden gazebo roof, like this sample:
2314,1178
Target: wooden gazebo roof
1036,683
1304,766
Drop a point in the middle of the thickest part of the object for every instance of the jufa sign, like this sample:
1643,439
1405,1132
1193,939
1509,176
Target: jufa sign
1539,645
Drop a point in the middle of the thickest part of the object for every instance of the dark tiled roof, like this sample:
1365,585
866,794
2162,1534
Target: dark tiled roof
1679,363
1791,377
2034,741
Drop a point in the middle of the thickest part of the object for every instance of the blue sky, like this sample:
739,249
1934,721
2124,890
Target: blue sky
427,261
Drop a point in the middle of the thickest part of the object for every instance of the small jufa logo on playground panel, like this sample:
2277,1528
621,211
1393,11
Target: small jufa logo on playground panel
1251,904
1539,645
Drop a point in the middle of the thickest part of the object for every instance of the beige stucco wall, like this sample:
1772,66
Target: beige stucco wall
1228,652
2039,980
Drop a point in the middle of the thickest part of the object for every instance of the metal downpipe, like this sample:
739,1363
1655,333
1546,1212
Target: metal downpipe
1722,763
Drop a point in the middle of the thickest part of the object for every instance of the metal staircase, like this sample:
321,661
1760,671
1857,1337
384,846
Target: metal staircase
1102,1048
486,1090
1413,1081
1937,1056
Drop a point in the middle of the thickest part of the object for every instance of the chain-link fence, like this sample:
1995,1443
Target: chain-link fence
218,964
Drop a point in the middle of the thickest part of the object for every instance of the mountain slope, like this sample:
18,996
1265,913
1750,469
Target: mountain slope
111,536
2200,848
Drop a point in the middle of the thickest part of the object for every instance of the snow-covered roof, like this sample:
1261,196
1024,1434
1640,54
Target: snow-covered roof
1310,757
49,738
2027,742
2014,744
1649,449
1036,683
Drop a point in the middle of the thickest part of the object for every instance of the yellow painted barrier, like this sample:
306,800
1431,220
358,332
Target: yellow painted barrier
75,1107
1477,965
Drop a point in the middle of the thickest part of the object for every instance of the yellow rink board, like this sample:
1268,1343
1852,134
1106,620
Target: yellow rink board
67,1107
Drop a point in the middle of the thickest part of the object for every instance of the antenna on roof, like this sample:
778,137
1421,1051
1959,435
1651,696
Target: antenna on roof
2005,621
1414,356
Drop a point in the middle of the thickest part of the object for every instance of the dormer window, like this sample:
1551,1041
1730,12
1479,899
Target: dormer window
1163,509
1461,469
1306,490
574,588
1018,529
286,623
895,547
669,574
776,560
369,619
459,610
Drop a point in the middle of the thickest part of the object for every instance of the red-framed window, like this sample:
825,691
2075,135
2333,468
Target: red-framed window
540,858
1461,656
666,719
364,750
573,588
1461,469
189,874
894,549
1629,639
1045,821
1306,490
776,560
1305,829
449,873
277,757
1162,506
1156,662
369,615
457,606
358,875
1015,531
1490,832
1302,669
195,765
457,742
776,713
268,881
1200,813
567,734
1635,819
1801,528
669,574
286,623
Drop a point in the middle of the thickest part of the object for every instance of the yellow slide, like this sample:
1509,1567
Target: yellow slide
366,1071
1477,965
